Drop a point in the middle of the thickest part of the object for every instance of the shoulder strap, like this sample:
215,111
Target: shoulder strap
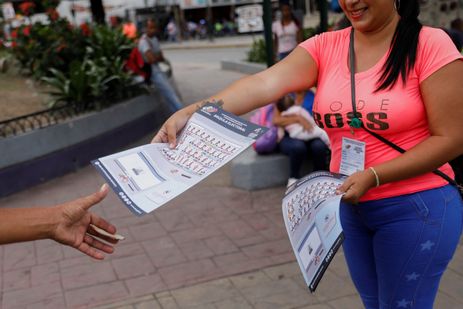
401,150
361,124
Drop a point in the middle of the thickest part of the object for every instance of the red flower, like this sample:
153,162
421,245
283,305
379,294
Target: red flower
60,47
27,30
14,34
52,14
14,44
27,8
85,30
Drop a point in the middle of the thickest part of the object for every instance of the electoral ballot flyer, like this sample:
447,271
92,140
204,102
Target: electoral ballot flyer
311,215
149,176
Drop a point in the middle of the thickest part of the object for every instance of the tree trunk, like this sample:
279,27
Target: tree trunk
98,14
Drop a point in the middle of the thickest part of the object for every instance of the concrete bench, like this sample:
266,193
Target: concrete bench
251,171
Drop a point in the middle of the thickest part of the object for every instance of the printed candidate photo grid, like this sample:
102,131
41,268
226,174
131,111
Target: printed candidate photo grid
302,202
199,150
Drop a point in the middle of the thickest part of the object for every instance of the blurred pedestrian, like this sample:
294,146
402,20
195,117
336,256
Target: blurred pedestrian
150,49
218,28
192,29
171,30
287,32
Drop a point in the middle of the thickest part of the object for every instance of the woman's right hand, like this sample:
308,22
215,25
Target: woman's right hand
172,126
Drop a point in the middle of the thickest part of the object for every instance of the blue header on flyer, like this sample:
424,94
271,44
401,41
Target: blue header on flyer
326,262
232,122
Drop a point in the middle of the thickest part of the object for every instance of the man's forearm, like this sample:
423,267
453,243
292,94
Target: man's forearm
25,224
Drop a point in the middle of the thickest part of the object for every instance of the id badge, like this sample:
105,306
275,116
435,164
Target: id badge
352,156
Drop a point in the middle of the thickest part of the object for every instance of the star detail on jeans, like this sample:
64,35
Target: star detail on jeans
403,303
427,245
412,277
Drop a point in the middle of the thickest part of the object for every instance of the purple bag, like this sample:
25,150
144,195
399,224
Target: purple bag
268,142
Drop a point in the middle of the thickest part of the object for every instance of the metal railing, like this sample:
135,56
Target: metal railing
45,118
37,120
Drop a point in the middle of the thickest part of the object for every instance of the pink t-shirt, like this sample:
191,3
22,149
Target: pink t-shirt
398,114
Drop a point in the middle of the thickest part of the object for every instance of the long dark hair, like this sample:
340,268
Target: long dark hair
404,45
293,17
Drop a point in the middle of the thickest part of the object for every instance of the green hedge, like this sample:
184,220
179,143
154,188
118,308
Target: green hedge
84,65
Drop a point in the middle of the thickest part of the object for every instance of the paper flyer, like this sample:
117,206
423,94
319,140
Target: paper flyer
149,176
311,215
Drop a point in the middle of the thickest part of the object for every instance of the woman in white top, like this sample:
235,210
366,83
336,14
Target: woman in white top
287,33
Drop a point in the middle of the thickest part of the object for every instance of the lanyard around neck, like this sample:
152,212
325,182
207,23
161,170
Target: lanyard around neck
355,121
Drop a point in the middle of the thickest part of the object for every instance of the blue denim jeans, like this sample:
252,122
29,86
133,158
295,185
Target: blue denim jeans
398,248
161,82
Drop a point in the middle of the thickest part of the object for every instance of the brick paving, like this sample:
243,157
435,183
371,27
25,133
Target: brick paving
281,286
213,247
208,233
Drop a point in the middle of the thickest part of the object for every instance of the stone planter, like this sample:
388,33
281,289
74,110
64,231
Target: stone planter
43,154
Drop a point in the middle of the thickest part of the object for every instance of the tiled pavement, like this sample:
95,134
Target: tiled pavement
213,247
211,232
280,286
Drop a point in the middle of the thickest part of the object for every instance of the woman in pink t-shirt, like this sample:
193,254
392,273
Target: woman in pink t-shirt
401,222
287,32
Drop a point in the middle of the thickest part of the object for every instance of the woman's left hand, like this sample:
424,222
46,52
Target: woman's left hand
356,185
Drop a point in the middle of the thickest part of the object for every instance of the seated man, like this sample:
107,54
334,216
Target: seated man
152,54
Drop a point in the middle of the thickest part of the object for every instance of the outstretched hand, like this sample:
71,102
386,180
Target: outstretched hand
74,226
356,185
170,128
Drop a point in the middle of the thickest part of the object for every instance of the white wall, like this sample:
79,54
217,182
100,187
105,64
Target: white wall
112,8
